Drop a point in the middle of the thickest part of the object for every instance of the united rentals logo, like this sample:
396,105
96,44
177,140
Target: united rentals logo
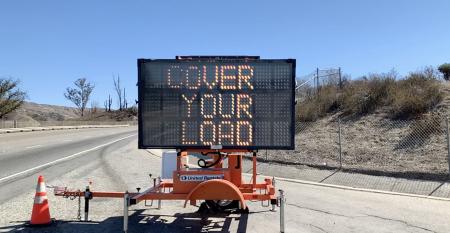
187,178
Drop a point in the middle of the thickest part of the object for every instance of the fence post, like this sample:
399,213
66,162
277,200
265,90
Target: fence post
15,124
317,80
448,145
340,144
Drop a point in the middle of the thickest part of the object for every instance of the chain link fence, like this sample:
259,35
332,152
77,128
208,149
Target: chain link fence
309,85
372,144
24,124
414,148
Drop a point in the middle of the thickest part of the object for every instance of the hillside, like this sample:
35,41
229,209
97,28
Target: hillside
33,112
443,108
30,111
373,139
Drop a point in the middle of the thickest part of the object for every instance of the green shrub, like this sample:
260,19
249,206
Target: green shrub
445,70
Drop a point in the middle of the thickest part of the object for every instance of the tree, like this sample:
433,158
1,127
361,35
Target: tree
11,97
108,104
80,94
94,107
125,103
445,70
121,94
118,90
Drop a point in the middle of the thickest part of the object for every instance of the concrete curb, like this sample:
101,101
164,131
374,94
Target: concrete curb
30,129
356,189
154,153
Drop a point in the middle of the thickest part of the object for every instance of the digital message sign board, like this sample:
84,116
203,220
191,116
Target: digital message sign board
211,103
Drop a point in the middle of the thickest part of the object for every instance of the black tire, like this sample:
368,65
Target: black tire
222,205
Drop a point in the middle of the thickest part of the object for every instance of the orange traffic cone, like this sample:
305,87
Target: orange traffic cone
41,211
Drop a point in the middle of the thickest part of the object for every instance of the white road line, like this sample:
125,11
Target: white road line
31,147
62,159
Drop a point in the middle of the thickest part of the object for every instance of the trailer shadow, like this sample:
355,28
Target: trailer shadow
140,221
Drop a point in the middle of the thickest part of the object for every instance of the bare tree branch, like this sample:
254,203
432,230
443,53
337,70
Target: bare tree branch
108,104
118,90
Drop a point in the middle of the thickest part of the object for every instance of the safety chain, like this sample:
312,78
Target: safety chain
72,197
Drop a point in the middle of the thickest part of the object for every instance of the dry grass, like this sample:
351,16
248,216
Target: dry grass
410,97
318,105
415,95
366,95
409,148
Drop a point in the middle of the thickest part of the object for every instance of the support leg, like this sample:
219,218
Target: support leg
282,200
125,211
86,209
273,202
254,171
87,198
159,201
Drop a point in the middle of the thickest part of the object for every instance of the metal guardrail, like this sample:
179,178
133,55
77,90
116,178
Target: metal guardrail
22,124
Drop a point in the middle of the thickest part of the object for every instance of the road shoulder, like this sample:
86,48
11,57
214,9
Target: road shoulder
440,189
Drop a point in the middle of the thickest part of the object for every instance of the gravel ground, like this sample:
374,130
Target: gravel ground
107,173
309,208
121,167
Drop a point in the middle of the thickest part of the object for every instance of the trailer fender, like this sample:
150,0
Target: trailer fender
216,190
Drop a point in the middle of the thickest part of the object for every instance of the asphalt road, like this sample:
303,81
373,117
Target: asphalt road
25,154
112,162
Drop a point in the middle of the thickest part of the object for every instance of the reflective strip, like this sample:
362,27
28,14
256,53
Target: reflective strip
41,194
40,187
39,199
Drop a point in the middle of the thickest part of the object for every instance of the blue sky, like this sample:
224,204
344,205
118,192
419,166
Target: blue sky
49,44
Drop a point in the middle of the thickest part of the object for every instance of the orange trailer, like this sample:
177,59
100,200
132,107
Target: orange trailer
218,183
223,107
221,187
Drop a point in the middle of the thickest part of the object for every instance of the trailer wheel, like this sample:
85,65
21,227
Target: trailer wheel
222,205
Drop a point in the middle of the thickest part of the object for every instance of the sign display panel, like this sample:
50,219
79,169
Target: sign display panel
213,103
